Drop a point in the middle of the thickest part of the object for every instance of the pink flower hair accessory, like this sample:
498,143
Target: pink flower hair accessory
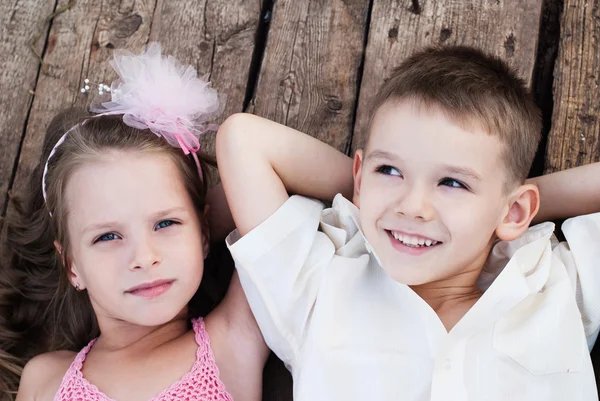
157,92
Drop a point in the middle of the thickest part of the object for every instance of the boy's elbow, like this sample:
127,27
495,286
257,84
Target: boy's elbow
239,139
231,135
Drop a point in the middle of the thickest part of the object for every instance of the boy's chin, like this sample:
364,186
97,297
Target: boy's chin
408,276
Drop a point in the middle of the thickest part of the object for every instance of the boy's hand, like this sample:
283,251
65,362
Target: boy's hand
261,161
568,193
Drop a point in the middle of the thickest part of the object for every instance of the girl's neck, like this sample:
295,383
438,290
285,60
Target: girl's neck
117,335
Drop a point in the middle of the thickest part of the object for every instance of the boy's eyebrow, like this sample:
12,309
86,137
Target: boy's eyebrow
463,171
380,154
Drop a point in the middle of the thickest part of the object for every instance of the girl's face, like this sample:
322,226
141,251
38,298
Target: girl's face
136,240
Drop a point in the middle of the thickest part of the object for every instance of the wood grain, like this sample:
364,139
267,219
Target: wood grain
309,74
574,137
79,46
19,23
508,29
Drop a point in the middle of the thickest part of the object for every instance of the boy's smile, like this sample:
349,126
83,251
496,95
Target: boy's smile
431,194
411,243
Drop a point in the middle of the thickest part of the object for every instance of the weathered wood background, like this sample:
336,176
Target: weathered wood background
313,65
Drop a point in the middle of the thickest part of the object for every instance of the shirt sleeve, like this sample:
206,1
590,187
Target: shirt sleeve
581,256
280,265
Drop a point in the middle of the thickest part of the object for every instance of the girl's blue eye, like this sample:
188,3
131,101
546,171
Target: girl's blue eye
452,183
388,170
165,223
107,237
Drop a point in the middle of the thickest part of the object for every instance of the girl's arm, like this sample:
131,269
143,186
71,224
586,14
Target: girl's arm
568,193
261,161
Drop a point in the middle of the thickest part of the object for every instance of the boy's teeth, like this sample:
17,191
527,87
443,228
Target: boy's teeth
413,241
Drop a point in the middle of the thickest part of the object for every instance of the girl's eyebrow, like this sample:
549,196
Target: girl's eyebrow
155,216
172,210
99,226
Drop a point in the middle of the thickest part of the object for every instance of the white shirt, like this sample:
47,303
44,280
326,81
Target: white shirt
347,331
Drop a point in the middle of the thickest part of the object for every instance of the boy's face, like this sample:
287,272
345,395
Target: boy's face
431,194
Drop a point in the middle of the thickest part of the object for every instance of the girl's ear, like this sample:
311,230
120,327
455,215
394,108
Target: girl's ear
73,273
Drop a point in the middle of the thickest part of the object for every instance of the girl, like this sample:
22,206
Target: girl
109,251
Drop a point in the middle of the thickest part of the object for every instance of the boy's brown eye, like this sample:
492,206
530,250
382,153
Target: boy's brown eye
388,170
451,182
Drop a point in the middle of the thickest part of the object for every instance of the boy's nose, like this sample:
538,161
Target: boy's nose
416,203
145,255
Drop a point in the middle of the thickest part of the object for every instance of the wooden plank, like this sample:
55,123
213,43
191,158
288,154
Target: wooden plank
19,23
79,47
216,37
398,28
574,137
308,78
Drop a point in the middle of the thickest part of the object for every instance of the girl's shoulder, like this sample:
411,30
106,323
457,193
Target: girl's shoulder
43,375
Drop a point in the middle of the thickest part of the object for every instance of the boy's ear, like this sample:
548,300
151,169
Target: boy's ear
357,174
72,272
524,205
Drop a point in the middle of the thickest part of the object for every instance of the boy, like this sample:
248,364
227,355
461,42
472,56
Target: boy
429,286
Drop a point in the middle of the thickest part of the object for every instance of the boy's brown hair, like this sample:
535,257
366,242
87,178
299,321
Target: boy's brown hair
471,88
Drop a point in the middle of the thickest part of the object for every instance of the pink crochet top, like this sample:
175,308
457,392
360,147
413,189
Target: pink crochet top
200,383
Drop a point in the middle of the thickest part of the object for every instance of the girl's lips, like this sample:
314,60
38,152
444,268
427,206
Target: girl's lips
152,289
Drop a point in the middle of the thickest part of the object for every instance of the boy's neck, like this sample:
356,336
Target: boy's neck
452,298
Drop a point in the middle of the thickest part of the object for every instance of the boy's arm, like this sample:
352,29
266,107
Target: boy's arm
261,161
568,193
